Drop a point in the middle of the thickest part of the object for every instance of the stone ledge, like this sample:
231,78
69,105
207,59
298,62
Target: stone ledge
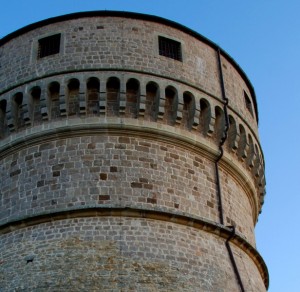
116,126
155,214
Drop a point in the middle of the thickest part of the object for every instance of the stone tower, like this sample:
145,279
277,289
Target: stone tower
129,159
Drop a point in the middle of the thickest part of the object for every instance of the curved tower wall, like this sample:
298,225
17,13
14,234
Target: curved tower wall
108,157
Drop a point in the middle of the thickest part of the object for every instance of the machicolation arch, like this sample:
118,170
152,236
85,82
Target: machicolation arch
205,119
47,102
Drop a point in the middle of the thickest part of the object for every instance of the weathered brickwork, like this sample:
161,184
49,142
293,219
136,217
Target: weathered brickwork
111,173
118,254
117,171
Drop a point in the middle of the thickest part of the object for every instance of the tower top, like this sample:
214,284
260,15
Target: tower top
134,15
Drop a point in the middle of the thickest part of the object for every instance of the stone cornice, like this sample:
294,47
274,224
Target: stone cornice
128,70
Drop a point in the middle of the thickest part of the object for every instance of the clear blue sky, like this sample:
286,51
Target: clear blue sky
263,36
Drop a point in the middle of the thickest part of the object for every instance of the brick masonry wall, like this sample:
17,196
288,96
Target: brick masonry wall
119,254
117,171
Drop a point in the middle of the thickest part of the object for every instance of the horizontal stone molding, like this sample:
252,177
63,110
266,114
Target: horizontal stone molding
77,127
243,144
123,70
224,232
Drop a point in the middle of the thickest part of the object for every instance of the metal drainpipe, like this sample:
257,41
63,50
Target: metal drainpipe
235,268
219,190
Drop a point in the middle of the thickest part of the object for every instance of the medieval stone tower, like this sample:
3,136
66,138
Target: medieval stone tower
129,159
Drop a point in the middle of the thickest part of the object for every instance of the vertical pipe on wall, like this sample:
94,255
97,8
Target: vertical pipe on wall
219,189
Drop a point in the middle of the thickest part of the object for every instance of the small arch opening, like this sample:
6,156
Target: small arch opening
152,101
205,117
54,88
3,105
73,86
188,110
53,93
257,161
73,96
132,97
18,98
170,105
250,154
232,133
36,100
242,143
93,89
219,124
113,96
17,110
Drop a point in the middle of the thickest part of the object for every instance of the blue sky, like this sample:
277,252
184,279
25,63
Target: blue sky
263,37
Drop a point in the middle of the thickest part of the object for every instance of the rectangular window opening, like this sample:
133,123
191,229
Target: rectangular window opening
49,45
170,48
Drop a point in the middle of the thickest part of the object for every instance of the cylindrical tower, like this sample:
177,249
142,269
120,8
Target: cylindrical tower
129,159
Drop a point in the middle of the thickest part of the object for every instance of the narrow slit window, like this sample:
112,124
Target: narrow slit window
170,48
248,103
49,46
